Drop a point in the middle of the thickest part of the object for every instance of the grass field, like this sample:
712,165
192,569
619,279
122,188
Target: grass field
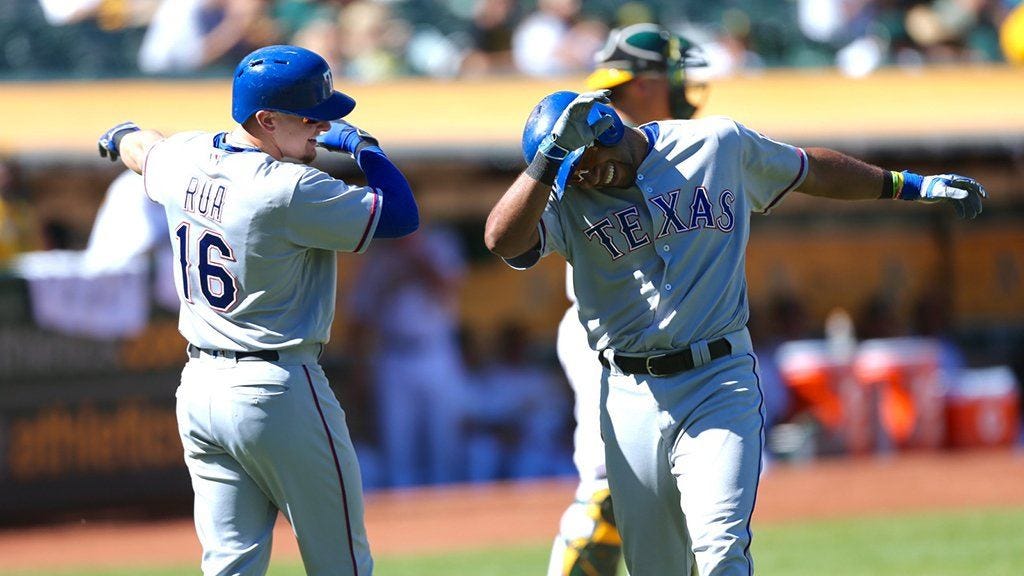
975,543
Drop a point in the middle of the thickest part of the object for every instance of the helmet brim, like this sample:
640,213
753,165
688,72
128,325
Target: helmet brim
604,78
337,105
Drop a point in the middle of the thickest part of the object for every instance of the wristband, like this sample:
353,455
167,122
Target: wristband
911,189
891,185
543,169
551,149
120,134
905,185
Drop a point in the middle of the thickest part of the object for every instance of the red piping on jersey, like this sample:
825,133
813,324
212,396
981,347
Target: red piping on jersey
799,176
337,468
373,215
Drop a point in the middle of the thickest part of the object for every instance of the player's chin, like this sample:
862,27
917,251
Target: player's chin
309,155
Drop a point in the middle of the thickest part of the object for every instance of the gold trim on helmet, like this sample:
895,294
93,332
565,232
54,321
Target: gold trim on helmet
608,78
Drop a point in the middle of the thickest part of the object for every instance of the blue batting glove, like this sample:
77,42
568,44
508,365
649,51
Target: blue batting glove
344,137
110,142
965,193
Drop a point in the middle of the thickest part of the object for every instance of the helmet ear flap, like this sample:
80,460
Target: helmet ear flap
613,134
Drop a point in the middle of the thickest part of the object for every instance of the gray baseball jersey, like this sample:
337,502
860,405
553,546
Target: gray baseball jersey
659,267
254,242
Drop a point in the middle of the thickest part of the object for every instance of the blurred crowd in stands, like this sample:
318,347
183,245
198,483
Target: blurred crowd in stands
375,40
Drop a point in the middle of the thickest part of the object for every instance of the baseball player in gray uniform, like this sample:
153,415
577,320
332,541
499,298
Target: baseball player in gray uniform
254,239
654,221
644,66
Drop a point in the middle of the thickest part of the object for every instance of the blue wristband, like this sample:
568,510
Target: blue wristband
911,189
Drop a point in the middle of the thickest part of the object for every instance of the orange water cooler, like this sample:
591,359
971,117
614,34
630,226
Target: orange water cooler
902,380
822,386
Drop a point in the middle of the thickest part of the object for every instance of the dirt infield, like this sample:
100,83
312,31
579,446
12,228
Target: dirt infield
464,517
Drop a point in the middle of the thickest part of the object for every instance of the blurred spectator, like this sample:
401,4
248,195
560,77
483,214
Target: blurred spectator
785,321
848,29
193,35
556,40
372,41
312,24
1011,37
404,316
109,14
106,291
63,12
19,227
932,318
517,422
292,16
491,35
130,233
878,318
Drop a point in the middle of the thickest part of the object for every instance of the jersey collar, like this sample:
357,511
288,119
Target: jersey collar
221,141
651,130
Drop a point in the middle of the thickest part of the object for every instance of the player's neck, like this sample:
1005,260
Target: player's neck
242,138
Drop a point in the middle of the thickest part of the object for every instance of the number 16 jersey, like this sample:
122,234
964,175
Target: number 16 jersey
254,241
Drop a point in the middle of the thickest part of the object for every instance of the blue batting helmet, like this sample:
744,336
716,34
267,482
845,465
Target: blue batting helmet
286,79
543,119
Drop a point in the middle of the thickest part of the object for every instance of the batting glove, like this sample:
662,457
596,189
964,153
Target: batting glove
572,130
110,142
344,137
965,193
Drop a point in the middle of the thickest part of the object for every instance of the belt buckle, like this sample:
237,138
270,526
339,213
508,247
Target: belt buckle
647,364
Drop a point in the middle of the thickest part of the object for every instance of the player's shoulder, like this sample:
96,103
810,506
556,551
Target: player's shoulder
707,126
189,137
686,133
300,181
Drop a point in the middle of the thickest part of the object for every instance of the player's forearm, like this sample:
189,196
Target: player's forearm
512,224
833,174
134,147
399,214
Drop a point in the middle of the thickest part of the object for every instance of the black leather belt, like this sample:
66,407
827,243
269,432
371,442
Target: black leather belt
268,355
668,363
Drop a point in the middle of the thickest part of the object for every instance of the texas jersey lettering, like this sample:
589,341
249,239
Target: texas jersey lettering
649,247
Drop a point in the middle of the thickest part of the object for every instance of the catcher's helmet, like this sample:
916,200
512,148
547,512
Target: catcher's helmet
286,79
649,48
543,119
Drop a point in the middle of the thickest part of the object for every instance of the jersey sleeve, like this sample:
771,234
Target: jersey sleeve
151,171
552,238
328,213
158,167
770,169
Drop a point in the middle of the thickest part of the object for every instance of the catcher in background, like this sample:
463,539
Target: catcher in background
644,66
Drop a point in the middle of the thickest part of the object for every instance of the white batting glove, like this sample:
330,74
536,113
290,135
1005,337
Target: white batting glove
572,130
965,193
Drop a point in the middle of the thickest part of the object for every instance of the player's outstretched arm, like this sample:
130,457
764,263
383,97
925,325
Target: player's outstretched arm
832,174
129,143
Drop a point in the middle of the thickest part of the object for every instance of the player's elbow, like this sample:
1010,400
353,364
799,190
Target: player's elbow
492,240
500,242
411,225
